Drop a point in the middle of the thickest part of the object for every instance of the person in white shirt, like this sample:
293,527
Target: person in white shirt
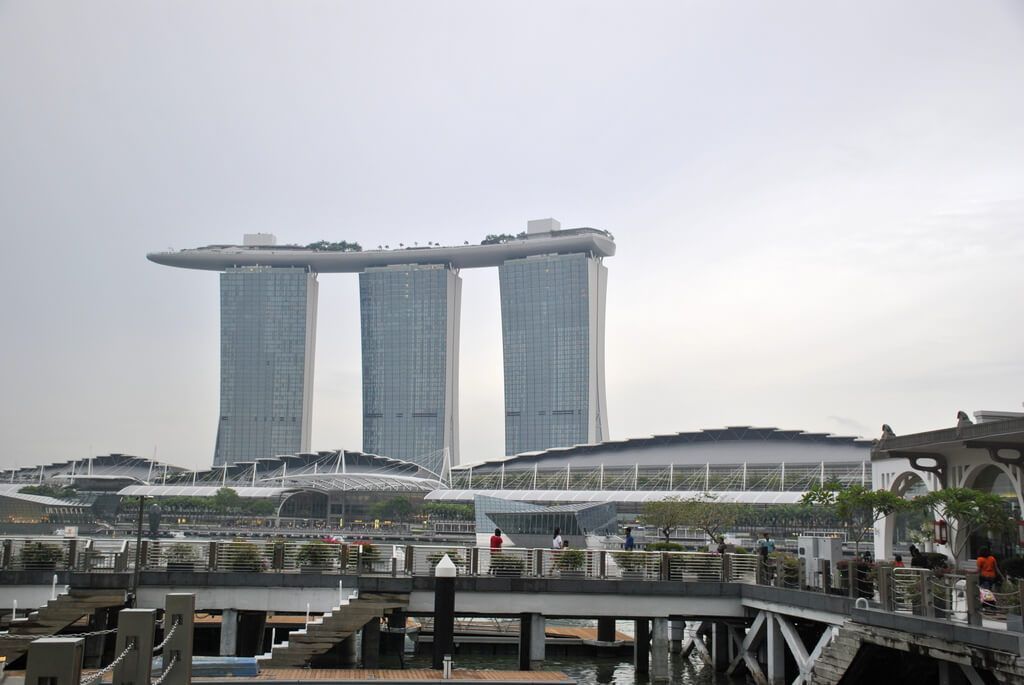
556,539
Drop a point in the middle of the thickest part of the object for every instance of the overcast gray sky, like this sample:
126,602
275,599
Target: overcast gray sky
819,207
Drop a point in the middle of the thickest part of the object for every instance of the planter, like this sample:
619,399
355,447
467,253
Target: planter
181,567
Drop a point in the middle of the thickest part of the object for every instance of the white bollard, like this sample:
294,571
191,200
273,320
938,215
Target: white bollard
53,588
14,611
273,636
341,593
446,667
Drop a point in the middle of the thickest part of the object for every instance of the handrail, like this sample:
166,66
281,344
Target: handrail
950,596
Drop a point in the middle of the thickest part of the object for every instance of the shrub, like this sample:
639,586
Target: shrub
455,555
664,547
180,552
240,555
570,559
504,564
630,561
40,555
740,550
317,553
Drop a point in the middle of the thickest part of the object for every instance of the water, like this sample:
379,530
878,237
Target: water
615,670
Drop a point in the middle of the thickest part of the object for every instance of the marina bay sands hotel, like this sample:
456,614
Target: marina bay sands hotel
552,284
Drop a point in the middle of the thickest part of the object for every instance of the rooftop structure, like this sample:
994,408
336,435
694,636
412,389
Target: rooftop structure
986,456
553,286
221,257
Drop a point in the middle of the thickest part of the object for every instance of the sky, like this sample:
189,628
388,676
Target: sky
818,207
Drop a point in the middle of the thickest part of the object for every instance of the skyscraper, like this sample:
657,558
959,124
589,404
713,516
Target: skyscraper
267,339
410,335
552,326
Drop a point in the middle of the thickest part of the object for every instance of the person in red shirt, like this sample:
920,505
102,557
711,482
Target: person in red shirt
496,540
988,569
899,561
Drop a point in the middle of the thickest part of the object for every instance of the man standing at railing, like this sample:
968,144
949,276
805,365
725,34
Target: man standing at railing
556,539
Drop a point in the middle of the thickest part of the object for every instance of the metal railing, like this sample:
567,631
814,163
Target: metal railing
940,594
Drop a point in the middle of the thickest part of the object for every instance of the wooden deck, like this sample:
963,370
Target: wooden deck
362,675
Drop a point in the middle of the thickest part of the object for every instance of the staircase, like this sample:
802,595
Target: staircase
55,616
835,658
333,627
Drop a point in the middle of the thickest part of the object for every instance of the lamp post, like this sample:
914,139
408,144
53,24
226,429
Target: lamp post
138,554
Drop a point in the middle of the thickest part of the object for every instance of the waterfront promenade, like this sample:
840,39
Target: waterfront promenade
776,621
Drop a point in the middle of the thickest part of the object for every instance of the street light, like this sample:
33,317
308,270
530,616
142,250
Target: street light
138,554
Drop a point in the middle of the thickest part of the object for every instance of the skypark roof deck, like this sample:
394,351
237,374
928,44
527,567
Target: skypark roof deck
220,257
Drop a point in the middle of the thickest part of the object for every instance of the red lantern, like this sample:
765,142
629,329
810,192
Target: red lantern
941,532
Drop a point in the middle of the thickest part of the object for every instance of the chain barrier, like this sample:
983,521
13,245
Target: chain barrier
167,671
168,636
95,677
10,636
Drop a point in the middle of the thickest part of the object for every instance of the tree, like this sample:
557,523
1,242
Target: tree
393,509
967,512
703,512
227,500
445,511
858,508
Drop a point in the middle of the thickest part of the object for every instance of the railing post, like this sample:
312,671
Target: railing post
726,568
666,569
538,561
144,555
801,573
474,561
72,554
211,560
884,586
180,609
924,587
410,559
971,597
344,557
55,661
278,556
5,562
851,579
602,564
135,628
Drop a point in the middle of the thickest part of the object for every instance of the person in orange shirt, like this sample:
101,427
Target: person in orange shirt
988,569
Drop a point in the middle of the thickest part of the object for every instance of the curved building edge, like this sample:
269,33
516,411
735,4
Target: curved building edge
220,257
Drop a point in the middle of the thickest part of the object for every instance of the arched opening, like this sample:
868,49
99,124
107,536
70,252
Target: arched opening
994,480
910,527
306,509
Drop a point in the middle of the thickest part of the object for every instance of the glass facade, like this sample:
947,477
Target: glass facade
267,338
552,324
410,330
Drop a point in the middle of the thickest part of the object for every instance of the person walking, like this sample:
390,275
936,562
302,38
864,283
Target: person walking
988,569
556,539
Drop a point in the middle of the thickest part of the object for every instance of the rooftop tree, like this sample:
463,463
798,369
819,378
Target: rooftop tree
967,512
858,508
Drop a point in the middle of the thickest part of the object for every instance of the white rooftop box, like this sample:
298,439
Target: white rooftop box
542,226
259,239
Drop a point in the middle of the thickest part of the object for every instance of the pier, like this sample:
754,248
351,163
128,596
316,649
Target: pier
781,623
